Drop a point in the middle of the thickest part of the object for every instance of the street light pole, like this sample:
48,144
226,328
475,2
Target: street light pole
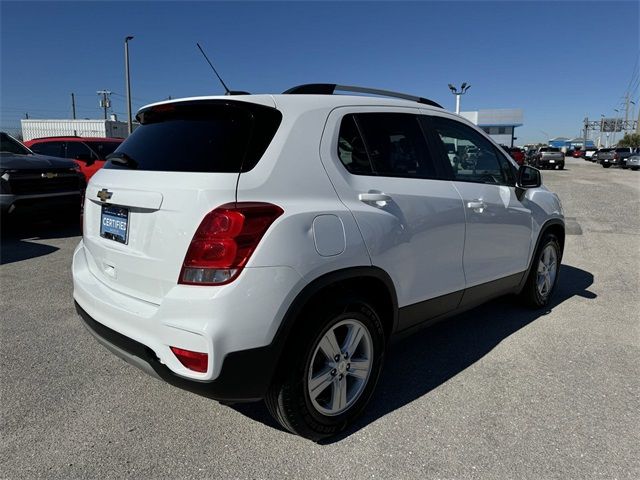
463,89
126,73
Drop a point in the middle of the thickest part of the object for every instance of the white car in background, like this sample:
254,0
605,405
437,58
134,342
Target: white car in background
269,246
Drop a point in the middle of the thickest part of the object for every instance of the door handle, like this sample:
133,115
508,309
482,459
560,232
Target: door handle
477,206
374,197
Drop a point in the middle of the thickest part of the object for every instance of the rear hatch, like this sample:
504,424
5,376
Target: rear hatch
144,206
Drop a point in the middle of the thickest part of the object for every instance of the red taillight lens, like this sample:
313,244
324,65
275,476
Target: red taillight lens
196,361
224,242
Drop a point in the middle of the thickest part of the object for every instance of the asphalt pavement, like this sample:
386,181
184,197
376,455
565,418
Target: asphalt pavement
499,392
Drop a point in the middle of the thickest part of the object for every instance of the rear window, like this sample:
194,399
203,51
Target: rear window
623,150
549,149
203,136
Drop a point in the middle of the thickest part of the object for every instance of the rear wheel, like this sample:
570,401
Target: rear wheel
329,373
606,165
543,276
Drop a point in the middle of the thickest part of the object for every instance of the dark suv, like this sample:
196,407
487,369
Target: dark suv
32,183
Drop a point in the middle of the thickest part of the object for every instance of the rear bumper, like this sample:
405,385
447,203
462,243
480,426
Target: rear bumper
234,324
245,375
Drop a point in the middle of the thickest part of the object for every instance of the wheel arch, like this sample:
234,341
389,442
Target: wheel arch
371,283
557,228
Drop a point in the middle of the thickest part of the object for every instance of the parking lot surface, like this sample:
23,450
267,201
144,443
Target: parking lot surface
499,392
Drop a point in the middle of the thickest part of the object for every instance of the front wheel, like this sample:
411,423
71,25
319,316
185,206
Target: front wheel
543,275
329,374
606,165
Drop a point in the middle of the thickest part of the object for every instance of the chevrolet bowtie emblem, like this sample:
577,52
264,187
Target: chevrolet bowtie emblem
104,194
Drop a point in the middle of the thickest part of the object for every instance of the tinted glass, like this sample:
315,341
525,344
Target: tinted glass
53,149
396,145
9,145
471,156
215,136
549,149
102,149
78,149
351,149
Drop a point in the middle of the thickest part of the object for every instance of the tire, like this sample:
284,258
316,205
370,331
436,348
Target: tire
561,166
536,292
634,168
606,165
290,399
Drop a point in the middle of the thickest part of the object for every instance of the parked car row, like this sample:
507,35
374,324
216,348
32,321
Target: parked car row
619,157
89,153
32,184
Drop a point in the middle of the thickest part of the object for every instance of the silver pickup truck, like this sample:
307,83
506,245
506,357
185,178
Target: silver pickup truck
548,157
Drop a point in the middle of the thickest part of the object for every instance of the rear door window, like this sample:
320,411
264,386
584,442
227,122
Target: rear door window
385,144
203,136
102,149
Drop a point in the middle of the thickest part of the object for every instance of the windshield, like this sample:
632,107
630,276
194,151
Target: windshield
10,145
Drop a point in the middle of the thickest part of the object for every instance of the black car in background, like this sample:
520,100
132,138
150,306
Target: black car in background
32,185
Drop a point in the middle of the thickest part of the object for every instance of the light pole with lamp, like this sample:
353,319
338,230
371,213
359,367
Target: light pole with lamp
463,88
126,73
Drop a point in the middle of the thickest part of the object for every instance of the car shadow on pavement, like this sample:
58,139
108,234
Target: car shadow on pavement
16,244
422,362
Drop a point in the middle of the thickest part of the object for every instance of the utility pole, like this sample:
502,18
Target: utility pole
586,133
105,103
73,105
26,115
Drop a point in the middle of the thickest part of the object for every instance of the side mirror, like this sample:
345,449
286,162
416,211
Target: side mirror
529,177
86,158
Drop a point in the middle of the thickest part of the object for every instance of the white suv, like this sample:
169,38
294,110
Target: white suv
269,246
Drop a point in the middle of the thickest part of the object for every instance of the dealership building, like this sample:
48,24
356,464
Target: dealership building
500,124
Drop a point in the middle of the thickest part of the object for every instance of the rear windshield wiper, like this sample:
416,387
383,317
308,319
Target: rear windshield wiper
121,158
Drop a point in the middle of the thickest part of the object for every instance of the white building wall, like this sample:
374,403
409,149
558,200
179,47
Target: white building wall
37,128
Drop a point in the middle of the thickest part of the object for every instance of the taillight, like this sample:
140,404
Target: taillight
224,242
196,361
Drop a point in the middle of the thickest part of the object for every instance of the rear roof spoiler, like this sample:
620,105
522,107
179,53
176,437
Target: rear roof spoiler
331,88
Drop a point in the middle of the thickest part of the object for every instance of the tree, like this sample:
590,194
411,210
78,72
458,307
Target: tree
630,140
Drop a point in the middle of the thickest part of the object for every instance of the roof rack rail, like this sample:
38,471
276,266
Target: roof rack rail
331,88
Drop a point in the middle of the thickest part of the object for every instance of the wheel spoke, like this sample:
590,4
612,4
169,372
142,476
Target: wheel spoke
339,397
319,383
359,368
353,339
329,345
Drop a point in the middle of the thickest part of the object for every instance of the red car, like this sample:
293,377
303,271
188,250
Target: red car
88,152
517,155
577,153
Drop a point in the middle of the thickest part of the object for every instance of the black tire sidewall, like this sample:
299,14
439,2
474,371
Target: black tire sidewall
549,239
320,425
